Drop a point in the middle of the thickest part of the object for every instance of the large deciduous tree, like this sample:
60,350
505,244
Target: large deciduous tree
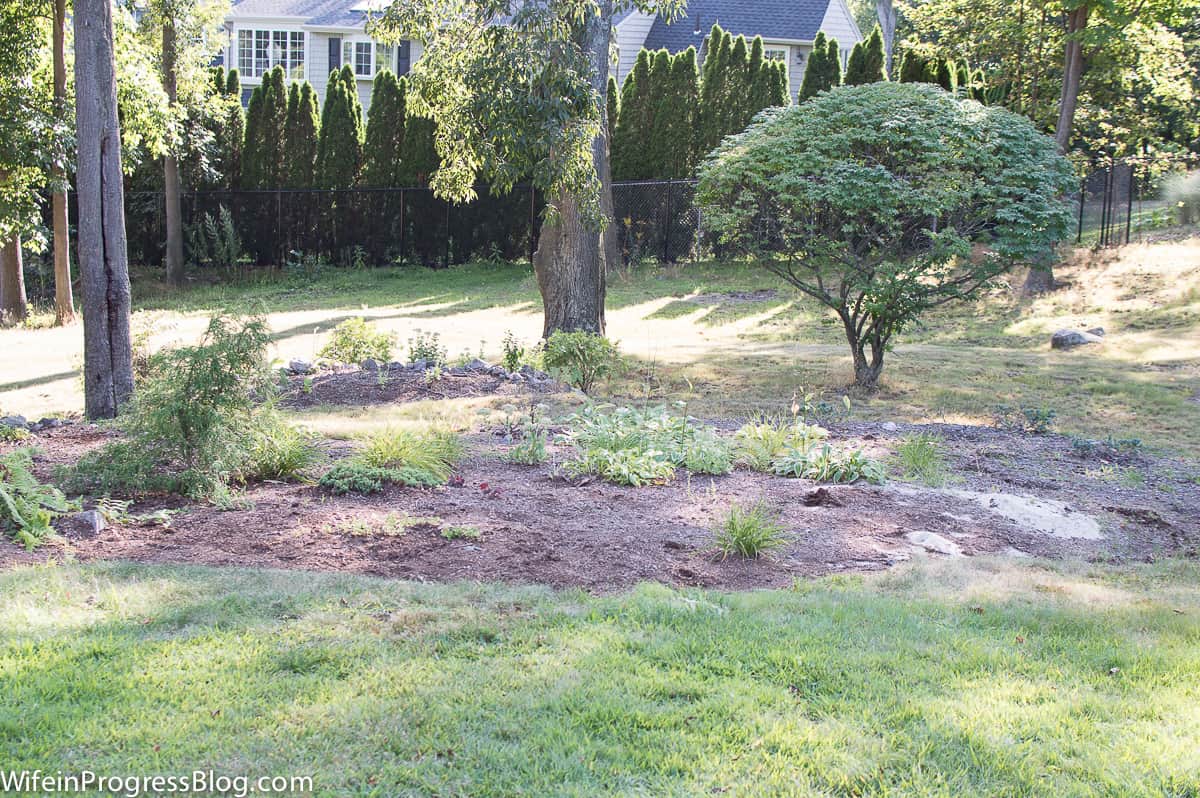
107,353
518,89
64,300
885,200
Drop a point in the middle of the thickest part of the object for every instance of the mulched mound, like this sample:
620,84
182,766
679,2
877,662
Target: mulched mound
538,527
400,383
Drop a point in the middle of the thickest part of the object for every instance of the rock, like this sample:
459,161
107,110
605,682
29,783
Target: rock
478,365
418,365
370,364
498,371
300,367
50,423
1069,339
931,541
14,421
515,377
396,365
90,522
1098,331
890,426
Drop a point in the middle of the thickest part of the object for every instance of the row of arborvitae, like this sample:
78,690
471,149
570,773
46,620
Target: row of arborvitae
670,114
285,140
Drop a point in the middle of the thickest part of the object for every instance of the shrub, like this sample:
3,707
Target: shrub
633,467
432,454
13,434
356,340
826,464
27,507
278,449
760,445
462,532
749,531
886,200
580,358
919,457
427,347
708,453
354,476
192,421
513,351
1031,420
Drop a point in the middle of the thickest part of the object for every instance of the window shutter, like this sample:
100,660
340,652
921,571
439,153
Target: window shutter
403,57
335,53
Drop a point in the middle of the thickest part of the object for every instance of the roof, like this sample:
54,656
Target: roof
789,20
337,13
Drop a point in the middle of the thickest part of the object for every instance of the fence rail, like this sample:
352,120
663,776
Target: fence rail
654,219
1128,200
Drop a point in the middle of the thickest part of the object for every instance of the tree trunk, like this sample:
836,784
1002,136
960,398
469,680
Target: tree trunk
886,11
107,357
13,301
570,258
1077,21
64,300
174,213
866,371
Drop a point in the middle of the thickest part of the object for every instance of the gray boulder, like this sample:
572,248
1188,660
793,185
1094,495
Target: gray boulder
14,421
370,364
300,367
418,365
1069,339
90,522
479,365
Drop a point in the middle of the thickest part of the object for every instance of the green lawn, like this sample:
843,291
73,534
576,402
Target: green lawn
955,680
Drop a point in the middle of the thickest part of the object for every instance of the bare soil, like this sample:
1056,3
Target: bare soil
395,383
537,527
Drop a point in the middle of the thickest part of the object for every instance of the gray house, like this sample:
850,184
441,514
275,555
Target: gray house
310,38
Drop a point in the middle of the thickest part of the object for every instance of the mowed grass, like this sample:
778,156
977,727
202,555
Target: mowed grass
734,341
978,679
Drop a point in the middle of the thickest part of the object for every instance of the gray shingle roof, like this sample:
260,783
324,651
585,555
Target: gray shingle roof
771,19
334,13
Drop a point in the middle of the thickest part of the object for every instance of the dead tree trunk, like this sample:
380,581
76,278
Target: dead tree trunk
13,301
570,259
64,299
107,358
174,213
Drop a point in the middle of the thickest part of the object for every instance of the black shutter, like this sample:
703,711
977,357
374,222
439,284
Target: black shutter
403,57
335,53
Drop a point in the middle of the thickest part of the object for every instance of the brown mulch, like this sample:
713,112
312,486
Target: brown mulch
395,383
538,527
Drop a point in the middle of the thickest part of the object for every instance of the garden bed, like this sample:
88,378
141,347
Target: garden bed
1009,494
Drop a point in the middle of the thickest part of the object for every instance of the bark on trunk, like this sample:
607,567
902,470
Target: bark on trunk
570,259
1077,22
64,299
174,214
107,358
886,11
13,301
866,370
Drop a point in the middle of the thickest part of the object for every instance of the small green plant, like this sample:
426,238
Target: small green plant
760,445
708,453
1030,420
13,434
434,454
749,531
826,464
531,450
279,450
27,507
919,458
633,467
354,476
581,358
1111,448
433,375
427,347
462,532
514,351
356,340
306,387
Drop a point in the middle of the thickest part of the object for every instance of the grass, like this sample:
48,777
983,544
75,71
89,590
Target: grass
749,531
962,679
919,458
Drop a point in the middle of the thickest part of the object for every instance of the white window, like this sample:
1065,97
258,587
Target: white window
258,51
383,57
359,56
775,54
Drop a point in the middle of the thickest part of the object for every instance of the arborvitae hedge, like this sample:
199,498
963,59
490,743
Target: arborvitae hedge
824,69
303,125
265,153
340,146
419,158
384,145
251,162
866,64
611,112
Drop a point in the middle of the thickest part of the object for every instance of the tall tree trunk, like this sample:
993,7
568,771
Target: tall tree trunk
107,356
64,300
174,213
13,301
886,11
1041,278
570,258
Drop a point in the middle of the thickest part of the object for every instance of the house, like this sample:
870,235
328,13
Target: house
310,38
788,28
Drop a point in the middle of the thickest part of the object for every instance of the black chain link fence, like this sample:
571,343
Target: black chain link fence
1130,200
654,220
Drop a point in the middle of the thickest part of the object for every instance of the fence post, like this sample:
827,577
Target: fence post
446,262
403,202
667,227
1082,200
532,223
1129,207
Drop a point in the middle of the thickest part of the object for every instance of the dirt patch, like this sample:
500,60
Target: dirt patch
399,383
735,297
533,526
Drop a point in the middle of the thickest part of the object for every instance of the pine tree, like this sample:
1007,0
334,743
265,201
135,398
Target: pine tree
419,159
233,139
302,136
250,173
737,104
685,86
782,95
611,112
914,68
824,70
946,74
339,148
714,91
233,84
856,67
657,145
385,131
629,161
875,57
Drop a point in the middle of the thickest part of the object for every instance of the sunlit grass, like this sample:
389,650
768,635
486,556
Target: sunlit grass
982,678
